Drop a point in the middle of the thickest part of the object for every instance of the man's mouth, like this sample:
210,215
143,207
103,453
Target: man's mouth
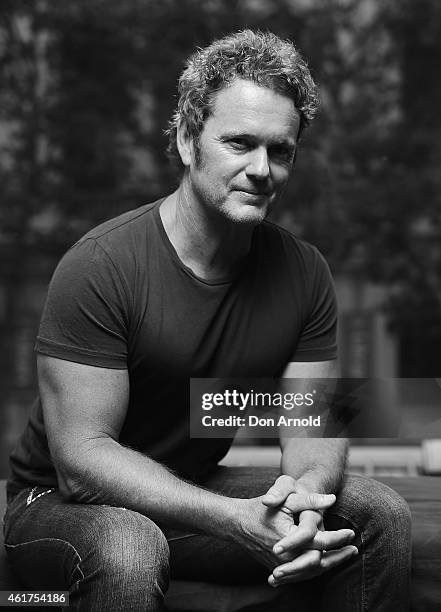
255,192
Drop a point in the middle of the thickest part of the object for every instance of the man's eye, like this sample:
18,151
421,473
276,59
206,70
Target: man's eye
282,153
239,143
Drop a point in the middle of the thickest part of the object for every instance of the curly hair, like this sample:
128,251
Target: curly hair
261,57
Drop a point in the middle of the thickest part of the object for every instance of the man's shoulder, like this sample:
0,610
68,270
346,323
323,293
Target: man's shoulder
126,223
114,244
291,244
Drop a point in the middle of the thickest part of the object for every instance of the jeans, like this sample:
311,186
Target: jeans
116,559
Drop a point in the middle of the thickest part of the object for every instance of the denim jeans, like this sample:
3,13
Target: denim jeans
116,559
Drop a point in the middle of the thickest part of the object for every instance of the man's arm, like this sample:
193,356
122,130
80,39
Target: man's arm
84,410
310,465
317,464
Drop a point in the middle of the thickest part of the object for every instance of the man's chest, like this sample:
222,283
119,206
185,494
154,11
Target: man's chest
237,329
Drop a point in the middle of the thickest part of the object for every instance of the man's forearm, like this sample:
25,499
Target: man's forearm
316,464
108,473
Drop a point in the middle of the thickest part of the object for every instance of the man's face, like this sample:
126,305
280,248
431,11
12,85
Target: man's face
246,152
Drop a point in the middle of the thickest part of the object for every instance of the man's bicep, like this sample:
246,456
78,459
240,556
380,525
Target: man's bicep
81,403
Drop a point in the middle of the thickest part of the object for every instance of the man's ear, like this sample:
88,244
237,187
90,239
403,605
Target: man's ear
185,144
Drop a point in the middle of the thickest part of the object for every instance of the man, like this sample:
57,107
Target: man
107,488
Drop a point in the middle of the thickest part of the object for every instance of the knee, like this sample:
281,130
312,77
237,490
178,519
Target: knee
132,547
388,508
369,501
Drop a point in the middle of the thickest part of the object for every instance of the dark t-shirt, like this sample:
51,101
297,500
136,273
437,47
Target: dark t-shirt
121,298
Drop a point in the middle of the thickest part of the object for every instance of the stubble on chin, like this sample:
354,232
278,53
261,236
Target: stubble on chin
249,215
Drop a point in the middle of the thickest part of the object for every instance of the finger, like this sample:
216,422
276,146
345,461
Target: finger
301,535
316,515
328,561
322,540
328,540
298,502
272,581
314,518
294,578
308,561
277,494
332,558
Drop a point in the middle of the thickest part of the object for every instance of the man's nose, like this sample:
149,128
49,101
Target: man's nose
258,165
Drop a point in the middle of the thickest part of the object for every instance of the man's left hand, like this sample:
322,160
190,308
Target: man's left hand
314,550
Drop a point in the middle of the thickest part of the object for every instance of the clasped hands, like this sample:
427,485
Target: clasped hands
306,549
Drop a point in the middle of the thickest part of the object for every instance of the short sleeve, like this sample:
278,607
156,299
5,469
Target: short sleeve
86,314
318,339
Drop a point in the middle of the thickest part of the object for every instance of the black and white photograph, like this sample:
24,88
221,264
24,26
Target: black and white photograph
220,305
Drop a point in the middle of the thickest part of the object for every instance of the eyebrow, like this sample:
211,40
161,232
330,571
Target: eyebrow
289,142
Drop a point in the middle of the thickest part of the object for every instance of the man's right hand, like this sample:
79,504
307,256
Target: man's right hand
259,528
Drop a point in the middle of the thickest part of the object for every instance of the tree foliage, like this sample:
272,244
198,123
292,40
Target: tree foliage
87,89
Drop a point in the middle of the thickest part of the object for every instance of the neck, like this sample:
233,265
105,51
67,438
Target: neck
210,245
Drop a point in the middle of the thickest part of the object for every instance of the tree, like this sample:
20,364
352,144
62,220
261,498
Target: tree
87,90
